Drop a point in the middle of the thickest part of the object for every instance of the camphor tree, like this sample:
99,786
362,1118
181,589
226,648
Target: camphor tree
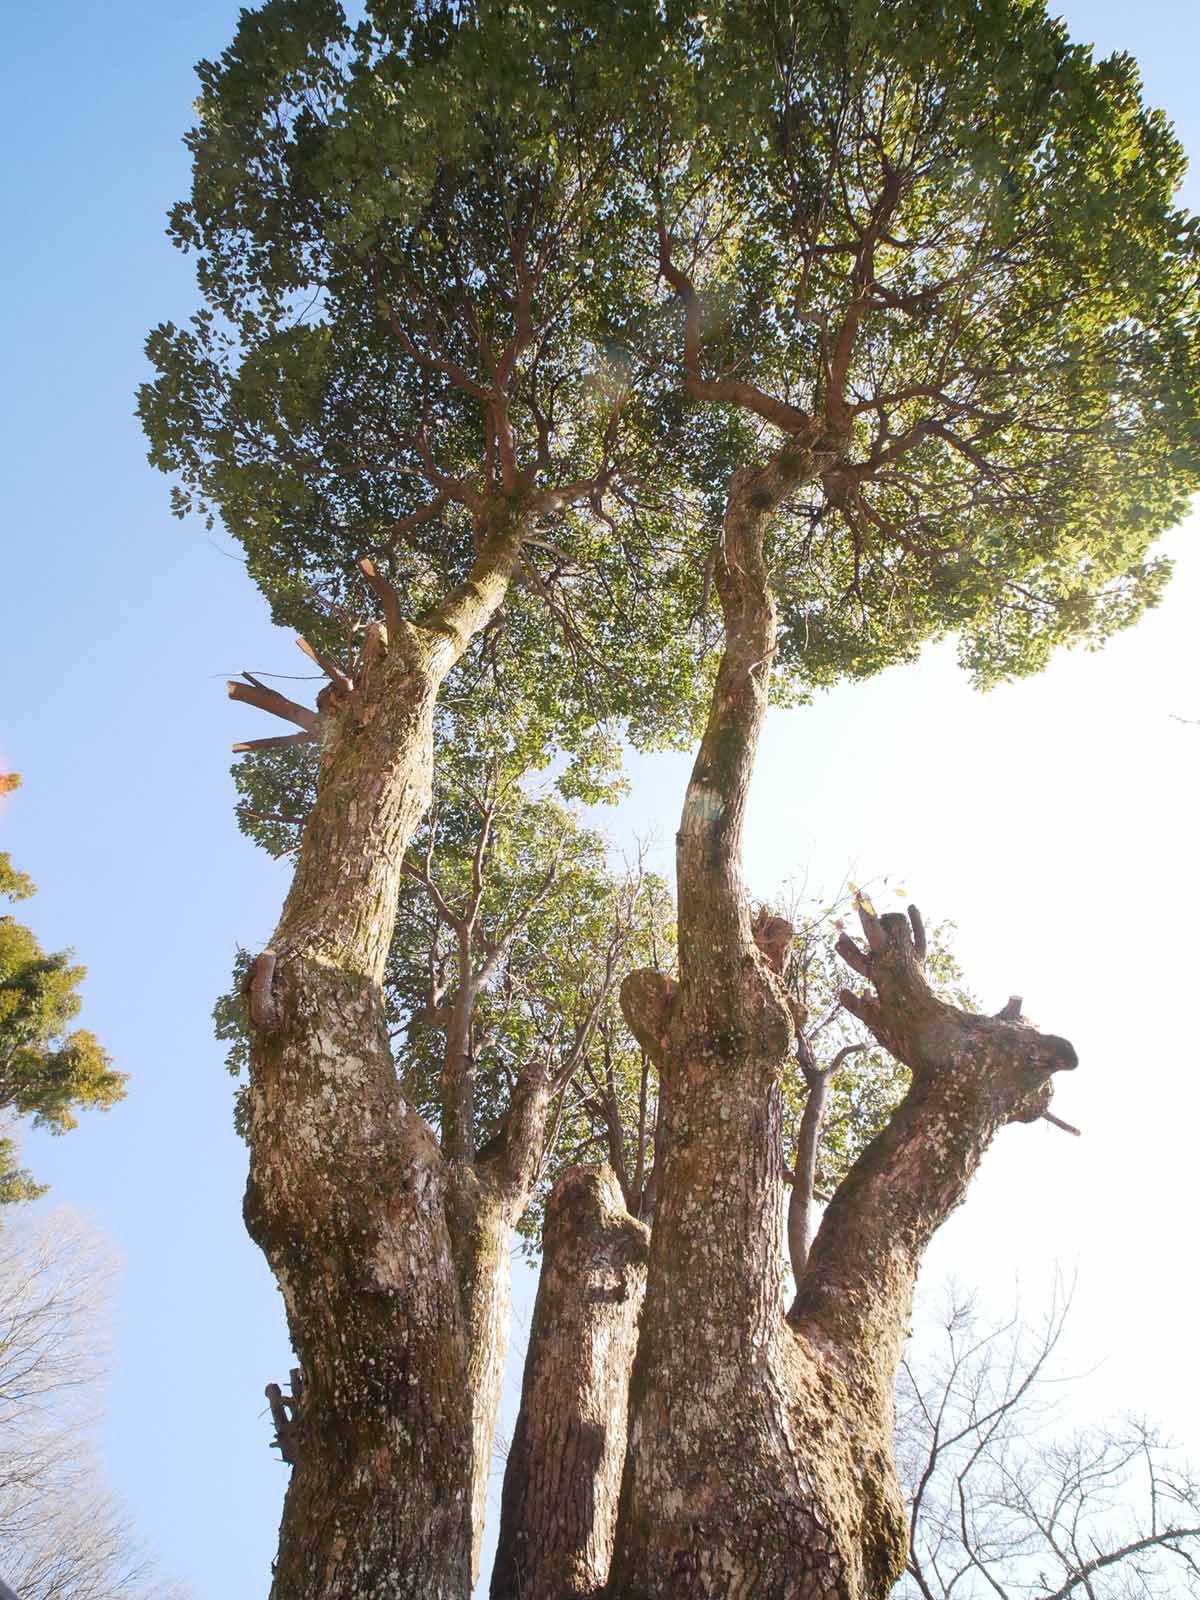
48,1070
933,373
409,250
564,1467
512,934
933,250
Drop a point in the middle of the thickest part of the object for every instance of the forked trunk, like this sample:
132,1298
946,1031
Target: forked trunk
559,1507
759,1463
347,1187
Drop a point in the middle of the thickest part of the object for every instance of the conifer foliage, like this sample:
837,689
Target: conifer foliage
48,1070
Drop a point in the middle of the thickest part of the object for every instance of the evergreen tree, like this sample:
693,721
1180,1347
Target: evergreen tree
48,1070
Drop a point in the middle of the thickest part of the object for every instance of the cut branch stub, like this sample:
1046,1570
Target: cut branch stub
773,935
647,999
871,926
276,741
328,666
253,693
932,1037
264,1007
287,1427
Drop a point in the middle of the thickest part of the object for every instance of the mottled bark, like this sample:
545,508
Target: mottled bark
561,1484
347,1187
482,1215
759,1460
970,1076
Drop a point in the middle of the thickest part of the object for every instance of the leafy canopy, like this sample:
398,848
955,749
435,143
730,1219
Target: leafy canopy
586,259
420,290
948,234
47,1071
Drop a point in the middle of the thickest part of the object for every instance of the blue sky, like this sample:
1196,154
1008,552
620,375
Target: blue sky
1053,820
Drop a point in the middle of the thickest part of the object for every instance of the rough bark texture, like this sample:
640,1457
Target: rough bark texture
759,1459
347,1189
561,1484
482,1216
970,1076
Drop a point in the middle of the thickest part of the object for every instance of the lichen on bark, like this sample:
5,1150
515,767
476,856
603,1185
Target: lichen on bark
759,1460
347,1193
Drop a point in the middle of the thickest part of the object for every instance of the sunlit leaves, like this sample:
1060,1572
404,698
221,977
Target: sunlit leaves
48,1070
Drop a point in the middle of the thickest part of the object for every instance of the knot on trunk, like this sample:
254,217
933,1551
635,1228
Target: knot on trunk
773,935
647,1001
1002,1057
265,1010
285,1415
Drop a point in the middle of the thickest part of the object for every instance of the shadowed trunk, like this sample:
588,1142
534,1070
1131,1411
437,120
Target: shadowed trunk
559,1507
482,1217
486,1199
347,1186
759,1461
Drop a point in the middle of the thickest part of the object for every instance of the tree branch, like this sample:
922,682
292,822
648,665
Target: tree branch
789,419
970,1076
253,693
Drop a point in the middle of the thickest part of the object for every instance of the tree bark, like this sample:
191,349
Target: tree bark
561,1484
486,1198
347,1187
482,1218
970,1076
759,1461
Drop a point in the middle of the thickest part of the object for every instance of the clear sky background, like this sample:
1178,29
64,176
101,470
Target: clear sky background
1055,820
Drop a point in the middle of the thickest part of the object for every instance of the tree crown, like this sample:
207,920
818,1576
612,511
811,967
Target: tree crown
586,260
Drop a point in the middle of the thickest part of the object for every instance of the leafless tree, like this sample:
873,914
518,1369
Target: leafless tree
63,1534
1008,1504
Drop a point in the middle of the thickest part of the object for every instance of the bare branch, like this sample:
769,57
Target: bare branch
256,694
328,666
275,741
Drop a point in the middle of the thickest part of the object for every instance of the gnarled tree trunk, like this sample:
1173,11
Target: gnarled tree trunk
559,1507
759,1461
347,1187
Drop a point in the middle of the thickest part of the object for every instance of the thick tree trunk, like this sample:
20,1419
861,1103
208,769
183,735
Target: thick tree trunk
347,1185
558,1514
970,1076
759,1460
482,1217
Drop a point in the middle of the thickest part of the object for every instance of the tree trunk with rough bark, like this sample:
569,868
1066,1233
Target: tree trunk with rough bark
482,1215
759,1461
561,1484
347,1194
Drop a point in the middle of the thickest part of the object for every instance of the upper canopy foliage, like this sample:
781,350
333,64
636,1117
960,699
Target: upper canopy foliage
947,233
584,259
